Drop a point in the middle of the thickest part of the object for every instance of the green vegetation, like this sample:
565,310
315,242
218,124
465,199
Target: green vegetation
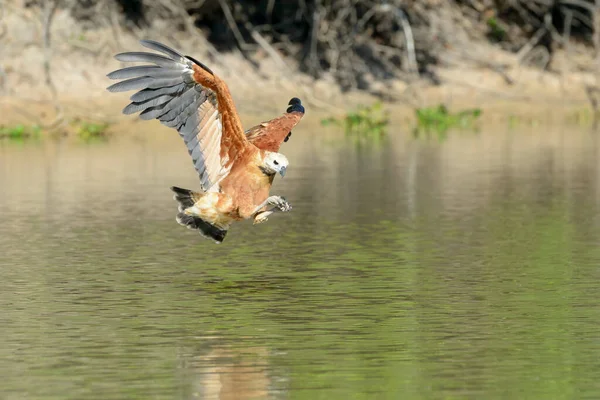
440,120
582,117
92,130
84,130
366,122
496,32
20,131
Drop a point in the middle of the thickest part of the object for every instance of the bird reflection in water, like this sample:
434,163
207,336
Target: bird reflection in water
227,373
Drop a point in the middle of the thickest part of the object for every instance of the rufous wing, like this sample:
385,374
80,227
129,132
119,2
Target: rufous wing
270,135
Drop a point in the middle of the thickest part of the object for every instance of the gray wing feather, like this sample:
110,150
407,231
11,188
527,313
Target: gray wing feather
140,106
188,111
153,112
158,83
192,143
145,70
190,128
167,91
153,45
140,56
176,116
134,72
196,154
147,94
131,84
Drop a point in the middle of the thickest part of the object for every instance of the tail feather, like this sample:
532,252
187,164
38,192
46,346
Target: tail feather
186,199
206,229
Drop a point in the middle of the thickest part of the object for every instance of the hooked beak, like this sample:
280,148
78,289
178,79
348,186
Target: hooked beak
282,171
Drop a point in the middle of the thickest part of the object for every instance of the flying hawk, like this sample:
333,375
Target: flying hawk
236,168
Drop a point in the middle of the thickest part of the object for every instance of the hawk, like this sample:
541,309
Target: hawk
236,167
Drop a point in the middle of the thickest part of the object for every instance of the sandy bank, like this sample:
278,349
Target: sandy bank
79,59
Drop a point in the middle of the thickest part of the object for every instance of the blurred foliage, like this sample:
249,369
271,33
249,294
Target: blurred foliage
365,123
496,32
583,117
92,130
439,120
83,129
20,131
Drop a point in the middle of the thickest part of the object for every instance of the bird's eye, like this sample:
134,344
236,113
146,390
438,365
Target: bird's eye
275,162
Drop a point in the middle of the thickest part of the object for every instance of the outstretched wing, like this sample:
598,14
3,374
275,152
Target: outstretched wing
271,134
184,94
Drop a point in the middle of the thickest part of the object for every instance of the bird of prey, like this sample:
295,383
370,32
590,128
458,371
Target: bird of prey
236,168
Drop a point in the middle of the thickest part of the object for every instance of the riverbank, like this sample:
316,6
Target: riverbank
536,97
59,71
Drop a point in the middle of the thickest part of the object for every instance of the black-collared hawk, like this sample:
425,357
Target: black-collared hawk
236,168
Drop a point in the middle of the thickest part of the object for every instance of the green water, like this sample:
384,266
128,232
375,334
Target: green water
468,269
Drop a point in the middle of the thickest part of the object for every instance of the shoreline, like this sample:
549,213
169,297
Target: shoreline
540,104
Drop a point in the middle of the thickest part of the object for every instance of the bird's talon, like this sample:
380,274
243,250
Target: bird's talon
284,206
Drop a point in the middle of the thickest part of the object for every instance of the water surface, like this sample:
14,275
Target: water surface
412,269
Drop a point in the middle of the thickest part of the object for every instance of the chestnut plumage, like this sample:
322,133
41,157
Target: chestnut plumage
183,93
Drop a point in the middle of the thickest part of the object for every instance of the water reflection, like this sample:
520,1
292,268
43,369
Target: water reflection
224,372
465,269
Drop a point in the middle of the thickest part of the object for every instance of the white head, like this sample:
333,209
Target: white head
274,163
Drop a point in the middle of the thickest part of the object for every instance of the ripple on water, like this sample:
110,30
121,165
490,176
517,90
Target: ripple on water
463,269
